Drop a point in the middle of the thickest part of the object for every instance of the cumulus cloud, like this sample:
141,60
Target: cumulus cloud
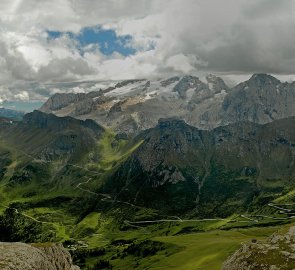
22,96
233,37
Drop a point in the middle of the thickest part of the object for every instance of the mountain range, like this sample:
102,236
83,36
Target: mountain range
201,172
110,172
135,105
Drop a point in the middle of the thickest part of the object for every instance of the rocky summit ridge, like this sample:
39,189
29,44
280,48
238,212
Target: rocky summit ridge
135,105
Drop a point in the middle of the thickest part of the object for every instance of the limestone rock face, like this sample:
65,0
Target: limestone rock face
59,101
136,105
261,99
278,252
20,256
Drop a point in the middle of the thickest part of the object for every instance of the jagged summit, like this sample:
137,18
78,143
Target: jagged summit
188,82
135,105
261,99
264,79
216,84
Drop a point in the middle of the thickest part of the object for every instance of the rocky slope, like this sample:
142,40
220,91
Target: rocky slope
261,99
20,256
278,253
134,105
215,172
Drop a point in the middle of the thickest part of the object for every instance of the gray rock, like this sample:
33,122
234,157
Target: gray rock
276,253
135,105
20,256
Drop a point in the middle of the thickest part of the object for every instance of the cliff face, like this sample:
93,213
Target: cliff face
261,99
20,256
59,101
277,253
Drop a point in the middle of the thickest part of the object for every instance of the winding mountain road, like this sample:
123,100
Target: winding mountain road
106,197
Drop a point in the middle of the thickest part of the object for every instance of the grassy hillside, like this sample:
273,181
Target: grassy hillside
106,197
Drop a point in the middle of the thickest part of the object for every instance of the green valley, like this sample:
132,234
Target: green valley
123,202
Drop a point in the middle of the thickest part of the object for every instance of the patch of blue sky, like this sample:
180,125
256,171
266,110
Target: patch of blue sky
25,106
107,40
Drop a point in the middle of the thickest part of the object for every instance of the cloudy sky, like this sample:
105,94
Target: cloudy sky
49,46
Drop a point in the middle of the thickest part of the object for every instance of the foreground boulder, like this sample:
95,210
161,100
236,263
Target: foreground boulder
277,253
20,256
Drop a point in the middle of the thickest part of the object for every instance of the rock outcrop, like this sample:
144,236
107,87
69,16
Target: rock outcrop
20,256
277,253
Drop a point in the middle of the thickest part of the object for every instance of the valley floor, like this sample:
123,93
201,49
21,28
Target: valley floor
204,251
203,245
